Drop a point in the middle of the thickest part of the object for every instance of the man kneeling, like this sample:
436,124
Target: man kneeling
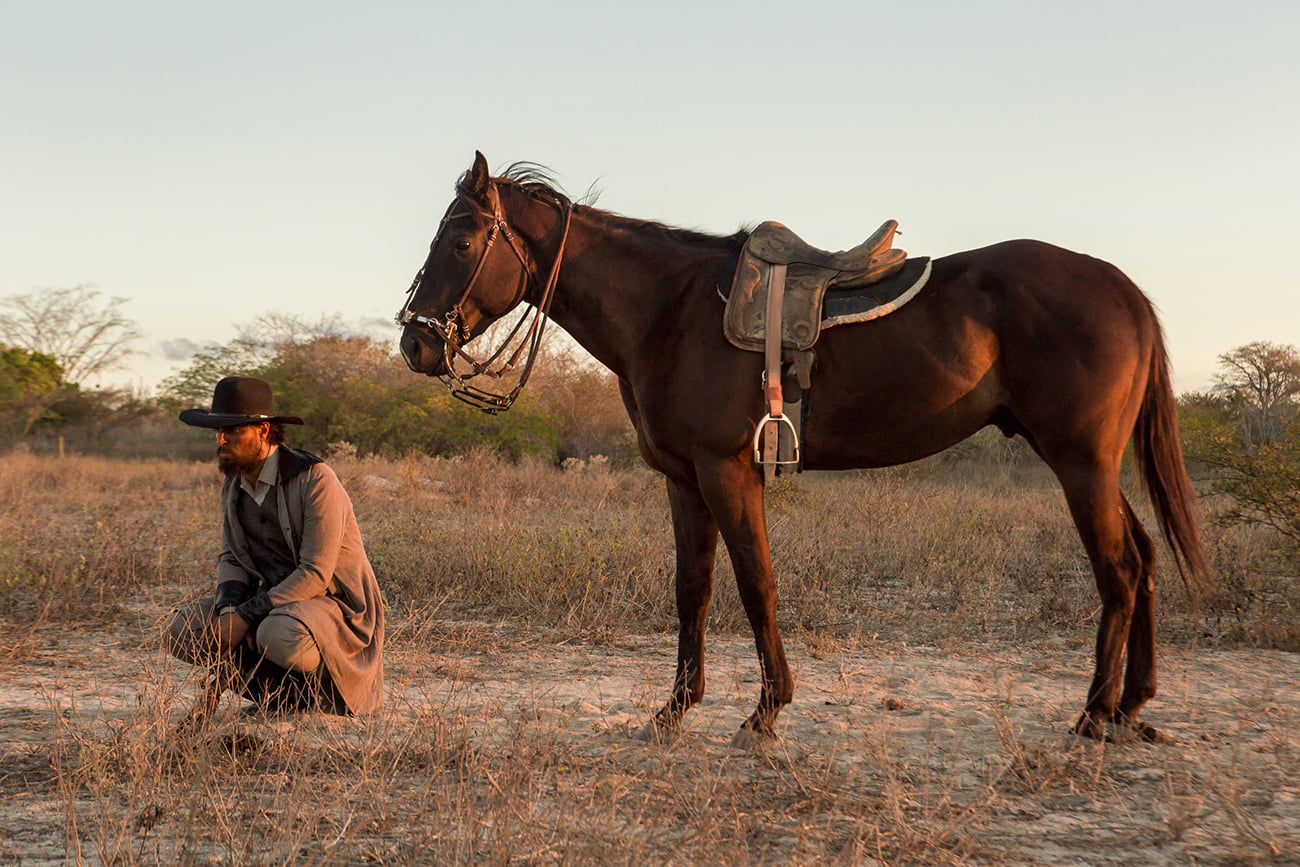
297,611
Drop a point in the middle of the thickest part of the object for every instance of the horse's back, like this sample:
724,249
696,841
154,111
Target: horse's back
1020,334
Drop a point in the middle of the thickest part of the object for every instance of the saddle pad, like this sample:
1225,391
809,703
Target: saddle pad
845,306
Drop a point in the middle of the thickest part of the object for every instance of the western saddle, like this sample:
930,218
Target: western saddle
808,274
783,279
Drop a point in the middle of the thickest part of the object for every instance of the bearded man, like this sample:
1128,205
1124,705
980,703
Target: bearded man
297,611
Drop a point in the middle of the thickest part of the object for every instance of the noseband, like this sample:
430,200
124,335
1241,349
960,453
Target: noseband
451,329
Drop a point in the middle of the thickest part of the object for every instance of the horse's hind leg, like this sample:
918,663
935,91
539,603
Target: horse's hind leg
1103,520
1140,672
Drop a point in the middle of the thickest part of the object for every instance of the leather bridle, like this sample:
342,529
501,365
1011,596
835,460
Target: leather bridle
451,328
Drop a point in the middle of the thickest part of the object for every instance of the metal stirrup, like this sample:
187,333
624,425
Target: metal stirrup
758,436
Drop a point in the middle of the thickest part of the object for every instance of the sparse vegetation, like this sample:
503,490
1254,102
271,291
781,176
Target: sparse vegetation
1242,441
348,386
940,617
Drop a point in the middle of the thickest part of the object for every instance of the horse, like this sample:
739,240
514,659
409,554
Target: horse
1054,346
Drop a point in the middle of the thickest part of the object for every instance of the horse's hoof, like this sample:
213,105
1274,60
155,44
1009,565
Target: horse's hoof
655,732
1087,727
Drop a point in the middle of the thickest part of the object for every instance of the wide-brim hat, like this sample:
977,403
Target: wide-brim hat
238,400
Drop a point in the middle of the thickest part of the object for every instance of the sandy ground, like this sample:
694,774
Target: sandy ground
983,729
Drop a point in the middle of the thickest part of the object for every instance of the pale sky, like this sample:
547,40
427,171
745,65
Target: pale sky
213,162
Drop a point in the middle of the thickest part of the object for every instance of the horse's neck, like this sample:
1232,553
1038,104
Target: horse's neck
618,285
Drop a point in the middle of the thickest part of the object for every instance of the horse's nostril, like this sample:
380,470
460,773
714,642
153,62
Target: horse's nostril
419,353
409,346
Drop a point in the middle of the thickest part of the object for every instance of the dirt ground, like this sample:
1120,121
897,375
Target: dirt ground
969,747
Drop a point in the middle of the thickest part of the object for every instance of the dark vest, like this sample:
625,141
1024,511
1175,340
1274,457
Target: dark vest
266,544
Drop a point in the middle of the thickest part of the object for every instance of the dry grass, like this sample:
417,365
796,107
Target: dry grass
940,624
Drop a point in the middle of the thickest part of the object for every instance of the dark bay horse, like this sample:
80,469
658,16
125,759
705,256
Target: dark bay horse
1054,346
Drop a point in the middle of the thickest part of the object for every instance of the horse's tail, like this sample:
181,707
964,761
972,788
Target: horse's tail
1159,453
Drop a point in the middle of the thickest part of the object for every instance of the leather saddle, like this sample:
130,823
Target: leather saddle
809,274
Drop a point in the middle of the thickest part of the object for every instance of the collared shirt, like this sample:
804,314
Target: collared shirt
265,479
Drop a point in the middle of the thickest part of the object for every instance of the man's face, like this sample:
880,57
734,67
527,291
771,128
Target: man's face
241,447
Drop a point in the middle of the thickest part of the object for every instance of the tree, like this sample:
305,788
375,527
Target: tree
30,384
1246,434
1261,381
87,337
353,389
277,330
1262,484
193,384
584,400
256,346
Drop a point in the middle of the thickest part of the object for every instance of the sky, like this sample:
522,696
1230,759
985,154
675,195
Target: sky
216,162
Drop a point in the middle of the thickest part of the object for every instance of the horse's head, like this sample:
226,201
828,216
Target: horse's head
476,272
479,269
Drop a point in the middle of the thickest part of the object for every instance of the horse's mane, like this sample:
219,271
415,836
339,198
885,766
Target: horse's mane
539,182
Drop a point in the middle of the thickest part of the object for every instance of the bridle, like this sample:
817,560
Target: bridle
451,328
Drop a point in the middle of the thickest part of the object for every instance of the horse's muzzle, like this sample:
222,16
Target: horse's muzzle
423,352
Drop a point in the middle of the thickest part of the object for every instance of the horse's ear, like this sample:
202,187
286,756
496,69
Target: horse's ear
478,174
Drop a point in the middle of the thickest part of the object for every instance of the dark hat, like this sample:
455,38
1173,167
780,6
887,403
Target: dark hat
238,400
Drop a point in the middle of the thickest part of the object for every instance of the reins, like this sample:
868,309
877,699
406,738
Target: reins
451,329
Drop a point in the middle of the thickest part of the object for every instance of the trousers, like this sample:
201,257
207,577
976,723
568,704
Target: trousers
285,657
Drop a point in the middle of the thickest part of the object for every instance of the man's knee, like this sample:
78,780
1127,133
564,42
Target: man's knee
285,641
186,633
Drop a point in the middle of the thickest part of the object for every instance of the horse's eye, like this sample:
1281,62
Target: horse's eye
461,245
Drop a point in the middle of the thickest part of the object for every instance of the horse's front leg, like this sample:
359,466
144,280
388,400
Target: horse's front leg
734,491
696,536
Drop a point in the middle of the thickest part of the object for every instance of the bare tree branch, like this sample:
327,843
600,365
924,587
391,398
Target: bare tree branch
1263,380
87,336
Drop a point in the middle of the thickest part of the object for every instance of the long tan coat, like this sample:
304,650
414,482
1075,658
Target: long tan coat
333,590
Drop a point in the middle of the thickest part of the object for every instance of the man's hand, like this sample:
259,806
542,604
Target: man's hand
230,631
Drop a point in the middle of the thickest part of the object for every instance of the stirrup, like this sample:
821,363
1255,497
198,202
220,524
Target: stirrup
758,436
